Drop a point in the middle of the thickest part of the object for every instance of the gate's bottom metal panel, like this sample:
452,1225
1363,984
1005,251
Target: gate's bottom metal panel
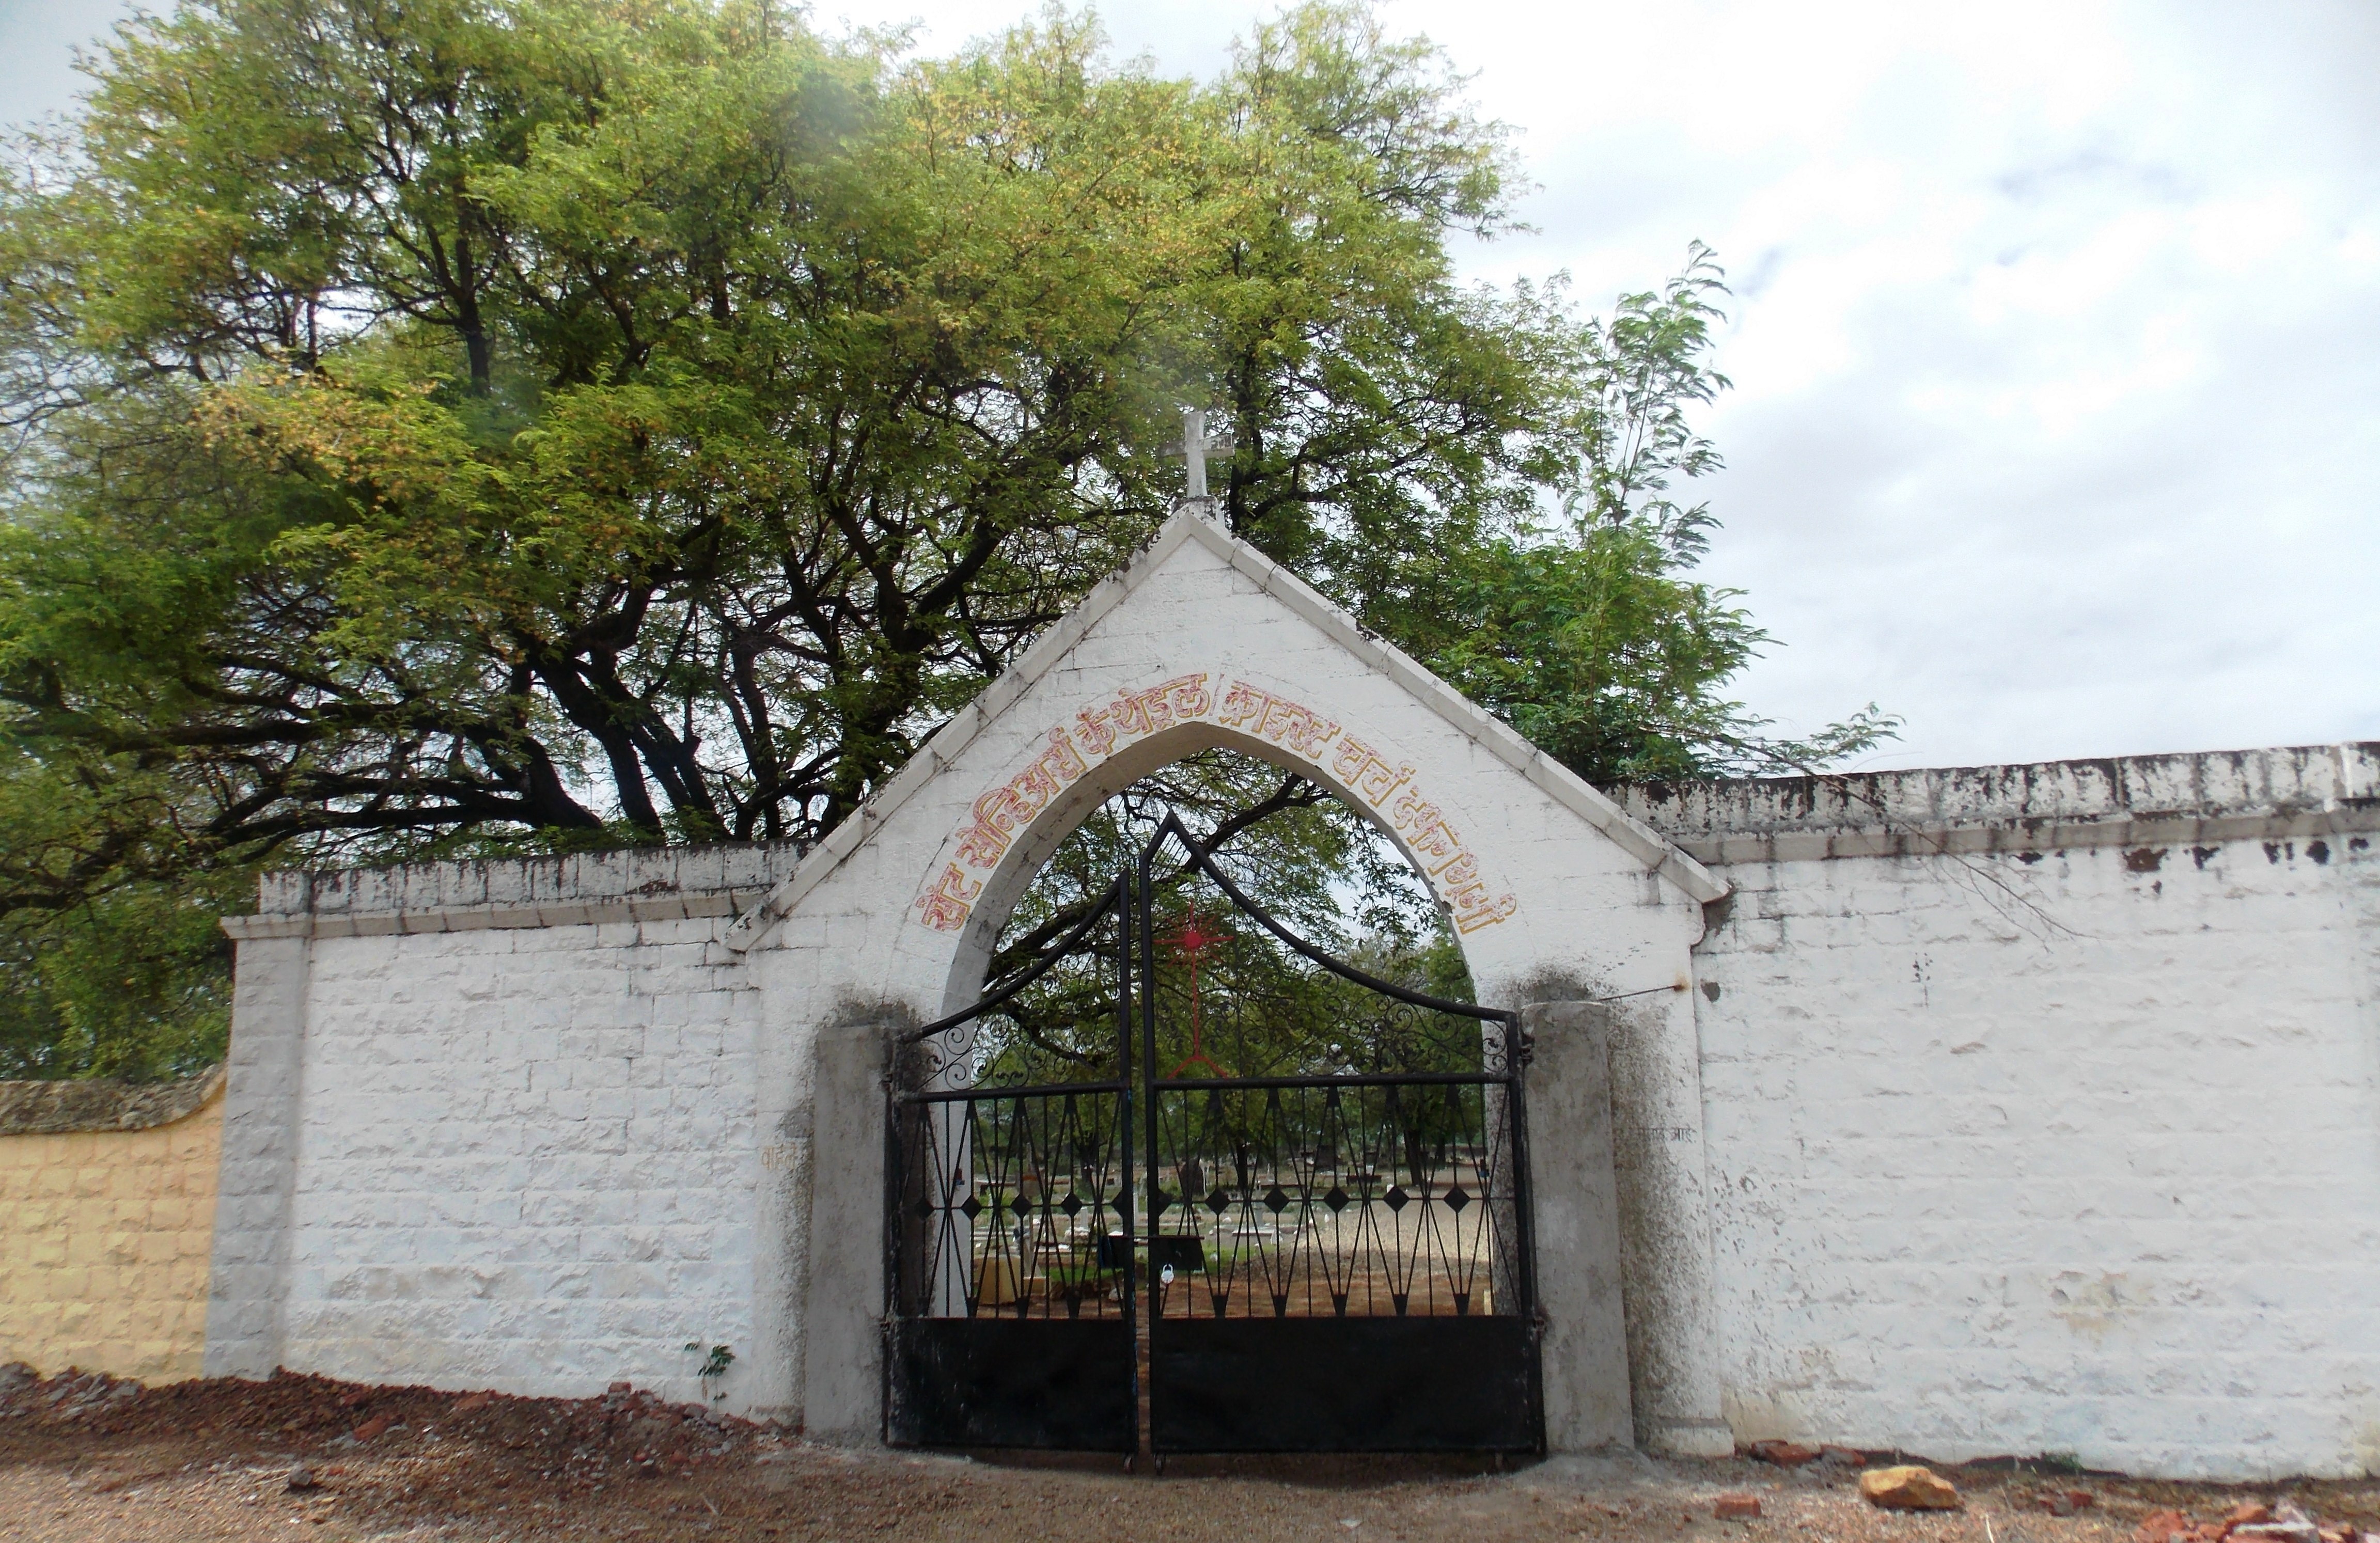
996,1383
1352,1384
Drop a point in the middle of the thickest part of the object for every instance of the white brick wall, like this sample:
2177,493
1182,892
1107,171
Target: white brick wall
526,1158
2075,1154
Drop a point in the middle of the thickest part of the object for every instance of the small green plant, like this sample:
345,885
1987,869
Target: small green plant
714,1366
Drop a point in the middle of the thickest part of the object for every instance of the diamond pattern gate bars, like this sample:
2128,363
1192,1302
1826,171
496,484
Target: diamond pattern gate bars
1329,1258
1010,1229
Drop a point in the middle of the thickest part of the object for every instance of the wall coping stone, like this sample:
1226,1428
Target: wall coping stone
668,883
64,1105
2291,793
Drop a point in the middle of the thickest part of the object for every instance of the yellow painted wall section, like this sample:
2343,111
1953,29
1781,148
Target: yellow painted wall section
104,1246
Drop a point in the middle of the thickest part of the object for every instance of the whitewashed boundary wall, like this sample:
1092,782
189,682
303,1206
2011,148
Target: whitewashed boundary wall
491,1125
2016,1110
2043,1108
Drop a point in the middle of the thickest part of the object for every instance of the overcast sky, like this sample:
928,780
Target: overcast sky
2056,337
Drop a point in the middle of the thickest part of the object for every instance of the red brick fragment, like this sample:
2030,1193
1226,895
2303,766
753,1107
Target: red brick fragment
2158,1525
372,1427
1785,1454
2248,1513
471,1403
1737,1508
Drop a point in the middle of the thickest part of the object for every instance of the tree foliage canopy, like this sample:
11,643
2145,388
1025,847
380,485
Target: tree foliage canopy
468,425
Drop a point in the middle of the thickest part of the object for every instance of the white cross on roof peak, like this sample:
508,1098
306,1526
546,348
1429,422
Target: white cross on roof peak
1196,443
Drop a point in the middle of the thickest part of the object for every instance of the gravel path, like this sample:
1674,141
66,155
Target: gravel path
91,1460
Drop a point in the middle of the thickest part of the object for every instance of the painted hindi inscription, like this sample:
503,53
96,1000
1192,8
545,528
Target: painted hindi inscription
1433,842
1069,751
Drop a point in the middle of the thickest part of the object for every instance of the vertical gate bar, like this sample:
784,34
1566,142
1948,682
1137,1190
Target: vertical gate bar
1516,1124
887,1336
1121,895
1146,981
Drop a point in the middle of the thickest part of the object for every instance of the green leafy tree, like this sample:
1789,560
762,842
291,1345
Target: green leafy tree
475,425
133,984
1309,860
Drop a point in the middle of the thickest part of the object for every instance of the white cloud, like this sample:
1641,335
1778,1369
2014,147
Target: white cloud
2054,426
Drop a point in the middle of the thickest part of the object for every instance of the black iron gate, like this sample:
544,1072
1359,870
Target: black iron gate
1009,1235
1312,1257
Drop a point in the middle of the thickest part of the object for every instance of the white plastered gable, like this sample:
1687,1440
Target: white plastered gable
1203,642
1555,894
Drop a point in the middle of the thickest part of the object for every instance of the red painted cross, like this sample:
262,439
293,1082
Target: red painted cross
1191,945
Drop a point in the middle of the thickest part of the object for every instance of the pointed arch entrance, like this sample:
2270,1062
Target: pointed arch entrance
1306,1256
1555,893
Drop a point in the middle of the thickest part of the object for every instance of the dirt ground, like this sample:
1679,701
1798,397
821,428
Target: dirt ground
299,1457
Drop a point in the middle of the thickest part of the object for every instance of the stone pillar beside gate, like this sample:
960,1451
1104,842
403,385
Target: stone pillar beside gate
839,1380
1582,1356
